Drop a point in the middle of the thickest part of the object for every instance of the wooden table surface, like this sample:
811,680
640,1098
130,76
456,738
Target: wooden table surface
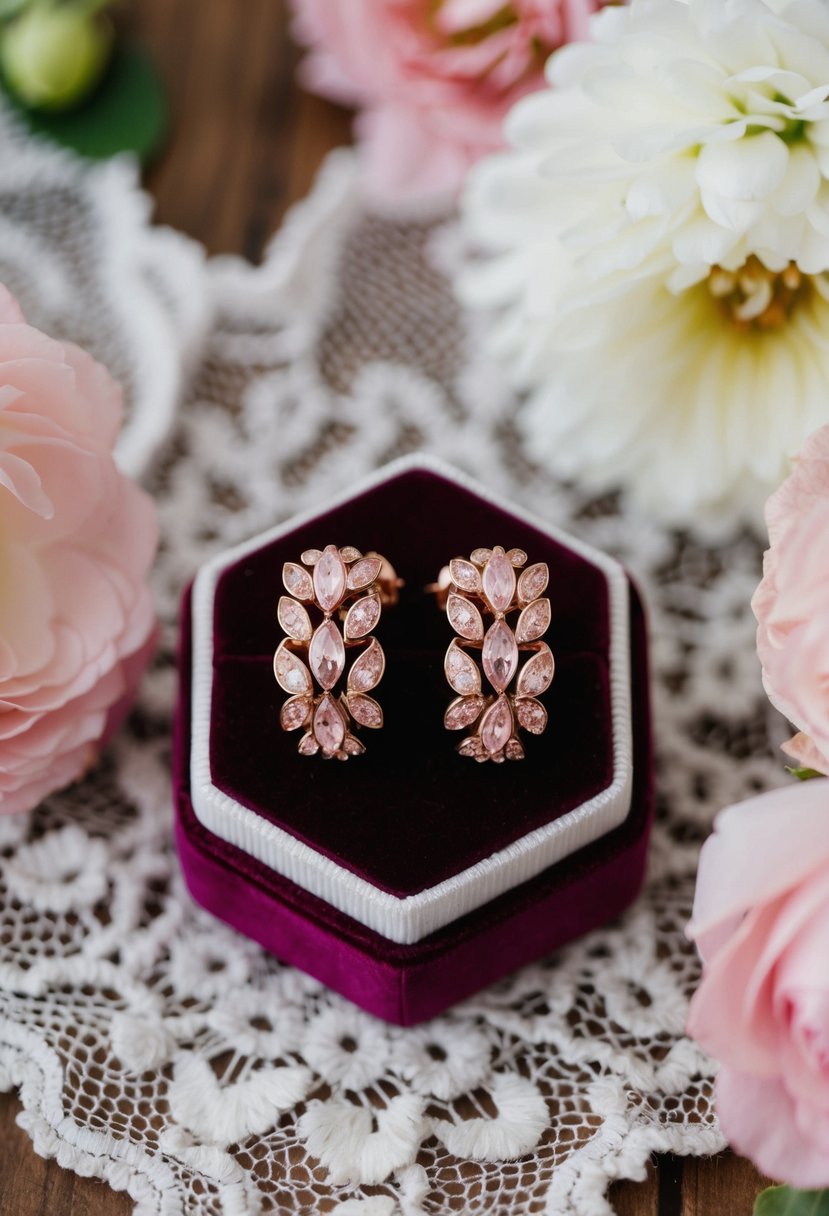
244,145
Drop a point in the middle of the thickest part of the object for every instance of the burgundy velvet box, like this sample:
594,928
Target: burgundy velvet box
410,877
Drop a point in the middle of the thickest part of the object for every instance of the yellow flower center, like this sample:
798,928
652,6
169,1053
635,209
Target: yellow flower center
756,298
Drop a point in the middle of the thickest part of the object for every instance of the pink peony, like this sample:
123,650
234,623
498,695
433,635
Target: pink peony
792,603
77,539
433,79
761,921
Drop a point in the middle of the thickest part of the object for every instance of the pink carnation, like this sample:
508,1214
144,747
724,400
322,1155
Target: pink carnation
433,80
761,921
792,603
77,539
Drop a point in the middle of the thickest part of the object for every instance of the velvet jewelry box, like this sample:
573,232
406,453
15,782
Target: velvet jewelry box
410,877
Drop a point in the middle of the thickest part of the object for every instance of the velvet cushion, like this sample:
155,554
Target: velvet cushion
408,984
410,812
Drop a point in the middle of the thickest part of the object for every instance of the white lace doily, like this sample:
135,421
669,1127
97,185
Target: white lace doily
155,1048
77,250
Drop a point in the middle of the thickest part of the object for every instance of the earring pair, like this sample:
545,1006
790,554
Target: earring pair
336,597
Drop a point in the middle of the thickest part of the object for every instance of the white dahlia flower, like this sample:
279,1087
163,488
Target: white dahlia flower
657,244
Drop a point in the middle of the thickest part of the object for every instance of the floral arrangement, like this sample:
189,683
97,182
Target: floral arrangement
432,79
77,625
655,245
761,912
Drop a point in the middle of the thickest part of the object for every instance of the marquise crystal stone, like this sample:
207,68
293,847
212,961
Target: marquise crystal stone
329,579
329,725
500,655
531,714
295,712
464,575
533,582
364,572
461,671
291,673
326,655
367,671
464,618
533,621
365,710
297,581
496,726
536,675
463,712
294,619
499,582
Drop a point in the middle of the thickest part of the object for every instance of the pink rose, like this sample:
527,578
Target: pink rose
77,539
761,922
434,80
792,603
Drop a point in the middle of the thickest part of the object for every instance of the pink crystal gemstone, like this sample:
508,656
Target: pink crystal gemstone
329,725
496,726
329,579
500,655
368,669
499,582
326,655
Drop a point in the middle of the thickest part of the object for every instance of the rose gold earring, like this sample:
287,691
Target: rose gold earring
488,585
341,584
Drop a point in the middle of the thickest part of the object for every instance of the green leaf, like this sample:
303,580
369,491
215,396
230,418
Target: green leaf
783,1201
10,8
804,774
126,113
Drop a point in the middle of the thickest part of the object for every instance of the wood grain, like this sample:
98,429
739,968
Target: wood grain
245,141
245,144
30,1186
725,1184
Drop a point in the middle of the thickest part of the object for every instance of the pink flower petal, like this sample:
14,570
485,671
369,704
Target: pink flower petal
749,860
76,622
760,1121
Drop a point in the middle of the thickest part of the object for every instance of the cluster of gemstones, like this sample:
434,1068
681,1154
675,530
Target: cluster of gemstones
337,583
489,583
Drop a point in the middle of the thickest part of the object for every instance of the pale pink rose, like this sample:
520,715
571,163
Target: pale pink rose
761,922
792,603
77,539
433,79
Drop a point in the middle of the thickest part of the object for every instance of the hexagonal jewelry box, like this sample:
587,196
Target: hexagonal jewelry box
409,877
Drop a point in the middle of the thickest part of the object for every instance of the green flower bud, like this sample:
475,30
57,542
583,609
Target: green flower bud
52,56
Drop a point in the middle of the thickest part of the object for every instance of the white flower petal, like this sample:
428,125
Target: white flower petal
735,215
800,186
749,168
703,242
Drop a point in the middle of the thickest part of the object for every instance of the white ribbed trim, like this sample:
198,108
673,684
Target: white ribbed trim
414,917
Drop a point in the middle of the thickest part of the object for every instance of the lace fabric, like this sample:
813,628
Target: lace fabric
154,1048
77,250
